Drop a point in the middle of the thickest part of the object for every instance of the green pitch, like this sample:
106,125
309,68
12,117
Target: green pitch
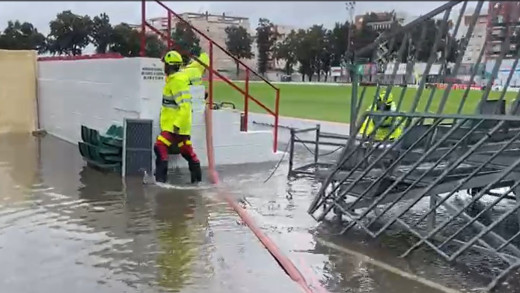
332,103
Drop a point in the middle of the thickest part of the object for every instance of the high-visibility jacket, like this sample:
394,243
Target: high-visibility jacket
386,126
194,70
176,104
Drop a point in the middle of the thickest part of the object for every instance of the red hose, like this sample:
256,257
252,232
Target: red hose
283,260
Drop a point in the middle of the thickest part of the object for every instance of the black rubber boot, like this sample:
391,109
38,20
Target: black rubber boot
161,168
161,171
196,172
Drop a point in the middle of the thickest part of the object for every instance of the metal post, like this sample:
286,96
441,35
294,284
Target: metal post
291,152
169,30
142,52
317,145
211,75
276,114
246,100
353,105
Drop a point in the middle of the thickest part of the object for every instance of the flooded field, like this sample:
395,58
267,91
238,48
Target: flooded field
67,228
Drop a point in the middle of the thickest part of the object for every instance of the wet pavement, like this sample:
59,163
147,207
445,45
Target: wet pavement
67,228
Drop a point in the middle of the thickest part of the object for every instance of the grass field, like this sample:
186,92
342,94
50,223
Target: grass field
332,103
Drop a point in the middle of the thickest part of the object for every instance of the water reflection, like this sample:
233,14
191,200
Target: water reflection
76,228
65,225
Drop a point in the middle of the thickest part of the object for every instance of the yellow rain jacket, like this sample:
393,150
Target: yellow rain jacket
176,104
194,70
386,126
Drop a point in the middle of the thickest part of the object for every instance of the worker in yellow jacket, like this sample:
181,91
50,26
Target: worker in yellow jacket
175,120
196,70
387,124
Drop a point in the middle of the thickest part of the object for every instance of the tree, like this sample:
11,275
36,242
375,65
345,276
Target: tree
304,54
127,42
22,36
266,37
319,50
101,33
338,42
363,37
238,42
286,50
69,33
155,47
184,37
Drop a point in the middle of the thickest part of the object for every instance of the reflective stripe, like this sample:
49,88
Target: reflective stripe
185,100
164,140
170,101
180,144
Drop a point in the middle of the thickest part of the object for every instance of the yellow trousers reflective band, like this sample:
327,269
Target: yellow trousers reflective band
180,144
164,140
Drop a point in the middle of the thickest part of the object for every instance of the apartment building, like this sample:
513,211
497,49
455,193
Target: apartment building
477,39
379,21
213,26
501,15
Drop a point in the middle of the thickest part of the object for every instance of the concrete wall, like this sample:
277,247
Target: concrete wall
18,91
101,92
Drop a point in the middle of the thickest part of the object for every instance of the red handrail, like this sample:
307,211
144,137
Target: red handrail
210,68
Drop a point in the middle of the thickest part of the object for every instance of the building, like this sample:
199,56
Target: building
477,39
214,27
378,21
499,15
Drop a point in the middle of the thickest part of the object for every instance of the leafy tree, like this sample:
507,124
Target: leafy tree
184,37
22,36
266,37
238,42
101,33
155,47
338,42
286,50
127,42
325,55
319,50
363,37
304,54
69,33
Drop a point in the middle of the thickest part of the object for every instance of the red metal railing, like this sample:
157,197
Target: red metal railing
211,70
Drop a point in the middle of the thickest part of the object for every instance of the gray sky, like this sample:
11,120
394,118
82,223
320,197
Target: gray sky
299,14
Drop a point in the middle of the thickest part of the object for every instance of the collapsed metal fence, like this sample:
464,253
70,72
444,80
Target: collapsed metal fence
453,143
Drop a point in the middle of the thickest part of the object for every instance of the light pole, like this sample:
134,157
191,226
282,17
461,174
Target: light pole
350,6
353,76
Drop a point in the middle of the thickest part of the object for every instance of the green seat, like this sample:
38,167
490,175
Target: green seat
113,138
99,153
115,131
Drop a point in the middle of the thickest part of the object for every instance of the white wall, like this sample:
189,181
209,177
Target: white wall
100,92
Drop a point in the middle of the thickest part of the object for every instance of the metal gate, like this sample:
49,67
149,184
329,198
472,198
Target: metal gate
451,144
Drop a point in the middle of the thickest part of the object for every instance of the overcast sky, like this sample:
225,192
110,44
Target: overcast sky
298,14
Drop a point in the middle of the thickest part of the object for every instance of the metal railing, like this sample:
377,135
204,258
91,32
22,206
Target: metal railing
446,149
313,147
211,70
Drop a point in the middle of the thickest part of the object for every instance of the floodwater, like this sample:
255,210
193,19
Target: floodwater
67,228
